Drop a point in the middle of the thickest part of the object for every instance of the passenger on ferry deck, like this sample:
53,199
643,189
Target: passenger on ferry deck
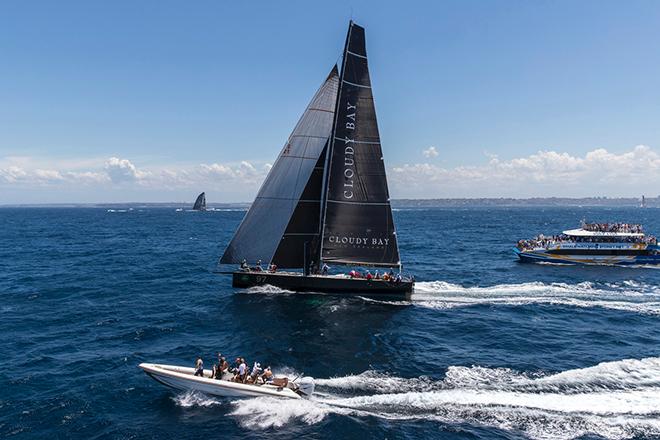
199,367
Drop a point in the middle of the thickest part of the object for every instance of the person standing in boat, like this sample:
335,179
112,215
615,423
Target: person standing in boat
256,370
242,371
199,367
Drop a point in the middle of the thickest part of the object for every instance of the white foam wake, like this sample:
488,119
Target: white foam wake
627,296
267,289
615,400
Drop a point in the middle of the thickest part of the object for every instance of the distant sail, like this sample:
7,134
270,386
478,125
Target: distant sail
200,203
358,224
291,193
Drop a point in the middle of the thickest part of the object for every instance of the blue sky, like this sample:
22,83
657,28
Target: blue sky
153,101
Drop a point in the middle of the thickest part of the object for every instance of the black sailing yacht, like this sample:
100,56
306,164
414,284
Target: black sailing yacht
325,200
200,203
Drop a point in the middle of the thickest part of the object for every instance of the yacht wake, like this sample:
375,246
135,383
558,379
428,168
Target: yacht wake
627,296
615,400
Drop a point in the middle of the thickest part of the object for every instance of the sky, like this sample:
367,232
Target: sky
156,101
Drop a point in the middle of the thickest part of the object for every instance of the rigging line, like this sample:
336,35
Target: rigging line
360,203
356,54
308,136
352,141
356,85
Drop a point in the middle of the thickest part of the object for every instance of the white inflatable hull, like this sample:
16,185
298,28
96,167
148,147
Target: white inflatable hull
183,378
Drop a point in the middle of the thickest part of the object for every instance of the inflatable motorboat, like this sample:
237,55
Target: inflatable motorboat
183,378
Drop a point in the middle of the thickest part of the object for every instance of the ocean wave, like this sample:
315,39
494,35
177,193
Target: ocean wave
619,399
629,296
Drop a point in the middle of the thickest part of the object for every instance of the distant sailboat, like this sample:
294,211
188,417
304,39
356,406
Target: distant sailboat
325,200
200,203
643,204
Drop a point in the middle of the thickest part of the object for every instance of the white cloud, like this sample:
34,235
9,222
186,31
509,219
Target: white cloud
122,170
545,173
430,152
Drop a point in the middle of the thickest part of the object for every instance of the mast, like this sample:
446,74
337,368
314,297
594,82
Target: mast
357,225
326,166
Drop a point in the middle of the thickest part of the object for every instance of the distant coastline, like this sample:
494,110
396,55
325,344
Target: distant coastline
651,202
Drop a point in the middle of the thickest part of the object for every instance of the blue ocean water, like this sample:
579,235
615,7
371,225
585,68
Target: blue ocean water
487,348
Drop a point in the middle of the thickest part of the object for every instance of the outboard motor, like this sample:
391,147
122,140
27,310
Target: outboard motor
306,386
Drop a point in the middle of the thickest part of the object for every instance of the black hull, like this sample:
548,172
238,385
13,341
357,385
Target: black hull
325,284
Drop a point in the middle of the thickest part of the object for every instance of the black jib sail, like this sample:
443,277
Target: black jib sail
285,213
200,203
358,226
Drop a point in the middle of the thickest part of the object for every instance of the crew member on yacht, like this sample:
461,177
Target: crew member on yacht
244,265
325,269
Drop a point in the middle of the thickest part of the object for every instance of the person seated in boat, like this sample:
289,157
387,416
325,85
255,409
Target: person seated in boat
244,265
258,268
397,280
267,375
325,269
368,276
199,367
272,268
377,275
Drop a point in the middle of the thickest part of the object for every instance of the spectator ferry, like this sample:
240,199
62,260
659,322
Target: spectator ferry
593,243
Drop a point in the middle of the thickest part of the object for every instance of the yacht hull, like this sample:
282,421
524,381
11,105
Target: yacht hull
326,284
541,255
183,378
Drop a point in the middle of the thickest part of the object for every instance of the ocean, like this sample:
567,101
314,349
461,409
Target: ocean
487,348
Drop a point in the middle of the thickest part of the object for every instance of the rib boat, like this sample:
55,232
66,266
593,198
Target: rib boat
593,243
326,199
184,379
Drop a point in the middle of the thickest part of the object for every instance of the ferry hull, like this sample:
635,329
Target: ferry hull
325,284
538,256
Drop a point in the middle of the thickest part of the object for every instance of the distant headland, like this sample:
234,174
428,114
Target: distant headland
649,202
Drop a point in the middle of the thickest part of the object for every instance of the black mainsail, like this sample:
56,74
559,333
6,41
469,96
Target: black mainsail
358,227
285,213
200,203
